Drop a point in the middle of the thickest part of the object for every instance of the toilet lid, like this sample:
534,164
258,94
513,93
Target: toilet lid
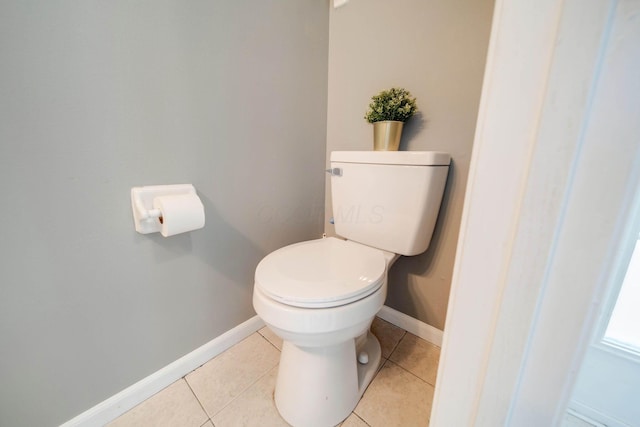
321,273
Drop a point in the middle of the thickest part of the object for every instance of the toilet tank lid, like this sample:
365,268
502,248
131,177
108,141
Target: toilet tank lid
417,158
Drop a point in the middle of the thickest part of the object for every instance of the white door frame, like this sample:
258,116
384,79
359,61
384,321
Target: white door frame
552,177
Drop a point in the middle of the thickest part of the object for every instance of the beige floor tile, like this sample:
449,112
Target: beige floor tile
353,421
396,398
271,337
174,406
418,357
223,378
208,424
254,407
389,335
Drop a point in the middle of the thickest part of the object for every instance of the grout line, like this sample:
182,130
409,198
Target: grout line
397,363
245,390
404,333
267,339
360,418
241,392
395,347
406,370
198,399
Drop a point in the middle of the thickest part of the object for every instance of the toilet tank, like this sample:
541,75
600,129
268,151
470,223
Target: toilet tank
388,199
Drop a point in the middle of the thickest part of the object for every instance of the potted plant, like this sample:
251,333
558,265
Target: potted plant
388,111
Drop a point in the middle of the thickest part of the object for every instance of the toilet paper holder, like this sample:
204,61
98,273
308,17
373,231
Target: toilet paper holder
145,217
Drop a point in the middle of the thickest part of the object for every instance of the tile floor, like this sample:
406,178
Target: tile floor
236,387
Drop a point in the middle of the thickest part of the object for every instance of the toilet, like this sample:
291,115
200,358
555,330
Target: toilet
320,296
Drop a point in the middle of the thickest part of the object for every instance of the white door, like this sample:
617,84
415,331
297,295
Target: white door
542,209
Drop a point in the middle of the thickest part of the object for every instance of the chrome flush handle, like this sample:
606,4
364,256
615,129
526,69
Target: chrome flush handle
334,171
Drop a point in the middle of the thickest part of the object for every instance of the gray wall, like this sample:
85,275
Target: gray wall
436,49
99,96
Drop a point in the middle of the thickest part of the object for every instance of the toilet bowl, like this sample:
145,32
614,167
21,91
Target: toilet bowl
321,296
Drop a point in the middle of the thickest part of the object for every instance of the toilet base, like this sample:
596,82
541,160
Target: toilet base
321,386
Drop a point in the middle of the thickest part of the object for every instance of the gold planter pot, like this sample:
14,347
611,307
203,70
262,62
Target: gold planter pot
386,135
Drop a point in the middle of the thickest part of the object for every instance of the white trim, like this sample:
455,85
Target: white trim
409,324
118,404
585,413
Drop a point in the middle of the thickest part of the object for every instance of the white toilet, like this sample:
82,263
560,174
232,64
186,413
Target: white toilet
321,296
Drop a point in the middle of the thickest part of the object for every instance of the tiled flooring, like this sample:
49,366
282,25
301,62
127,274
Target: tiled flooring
236,387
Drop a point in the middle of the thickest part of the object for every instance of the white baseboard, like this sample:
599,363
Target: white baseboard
120,403
409,324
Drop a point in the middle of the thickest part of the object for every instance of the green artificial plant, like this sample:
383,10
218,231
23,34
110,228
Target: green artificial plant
395,104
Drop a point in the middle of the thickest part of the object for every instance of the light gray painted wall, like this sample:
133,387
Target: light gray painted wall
99,96
436,49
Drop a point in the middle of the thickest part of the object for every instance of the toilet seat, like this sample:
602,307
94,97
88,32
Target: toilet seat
321,273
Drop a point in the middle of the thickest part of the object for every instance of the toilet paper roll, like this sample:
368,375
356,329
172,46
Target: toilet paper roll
180,213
